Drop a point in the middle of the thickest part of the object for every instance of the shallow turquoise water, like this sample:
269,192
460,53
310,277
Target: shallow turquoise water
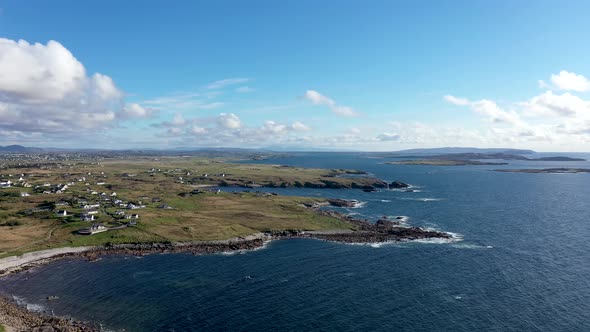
523,265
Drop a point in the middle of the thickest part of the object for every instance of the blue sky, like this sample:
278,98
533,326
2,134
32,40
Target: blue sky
365,75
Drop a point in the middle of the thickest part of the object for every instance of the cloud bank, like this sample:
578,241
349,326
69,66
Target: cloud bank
45,90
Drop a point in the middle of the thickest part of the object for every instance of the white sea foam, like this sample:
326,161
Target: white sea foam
434,241
399,219
425,199
470,246
243,251
385,201
358,205
30,306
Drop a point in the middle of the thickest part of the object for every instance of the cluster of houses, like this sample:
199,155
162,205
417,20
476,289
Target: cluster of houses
92,209
20,182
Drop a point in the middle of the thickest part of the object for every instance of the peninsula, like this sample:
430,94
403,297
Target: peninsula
87,205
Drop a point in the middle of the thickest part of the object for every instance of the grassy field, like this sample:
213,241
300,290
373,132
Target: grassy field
177,205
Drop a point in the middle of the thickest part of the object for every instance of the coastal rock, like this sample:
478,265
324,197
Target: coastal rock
369,189
342,202
398,185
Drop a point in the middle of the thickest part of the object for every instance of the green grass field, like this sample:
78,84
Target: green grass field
192,217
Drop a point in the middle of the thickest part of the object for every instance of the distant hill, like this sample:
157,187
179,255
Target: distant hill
457,150
18,149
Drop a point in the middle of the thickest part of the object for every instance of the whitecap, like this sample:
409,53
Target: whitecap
424,199
470,246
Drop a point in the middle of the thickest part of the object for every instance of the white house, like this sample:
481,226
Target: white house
87,217
61,213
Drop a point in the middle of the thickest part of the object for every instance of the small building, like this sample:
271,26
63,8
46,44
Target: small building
6,184
132,216
61,213
87,217
24,194
94,229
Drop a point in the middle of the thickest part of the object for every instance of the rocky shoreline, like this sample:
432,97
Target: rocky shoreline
18,318
384,230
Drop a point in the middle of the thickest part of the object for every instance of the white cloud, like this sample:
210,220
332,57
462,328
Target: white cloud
228,129
174,131
226,82
245,89
44,89
456,101
229,121
570,81
196,130
185,101
354,131
385,137
298,126
273,127
36,72
565,104
134,110
488,108
178,120
494,113
561,120
317,98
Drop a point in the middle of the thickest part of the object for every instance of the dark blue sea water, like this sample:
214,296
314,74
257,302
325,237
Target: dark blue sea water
523,264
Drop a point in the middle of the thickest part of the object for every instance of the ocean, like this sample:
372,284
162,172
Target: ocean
522,264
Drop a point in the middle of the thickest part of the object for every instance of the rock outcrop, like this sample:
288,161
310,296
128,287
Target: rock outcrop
398,185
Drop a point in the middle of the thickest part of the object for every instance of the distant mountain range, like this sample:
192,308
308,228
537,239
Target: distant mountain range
19,148
270,149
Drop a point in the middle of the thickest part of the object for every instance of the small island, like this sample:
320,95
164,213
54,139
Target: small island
462,159
545,170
